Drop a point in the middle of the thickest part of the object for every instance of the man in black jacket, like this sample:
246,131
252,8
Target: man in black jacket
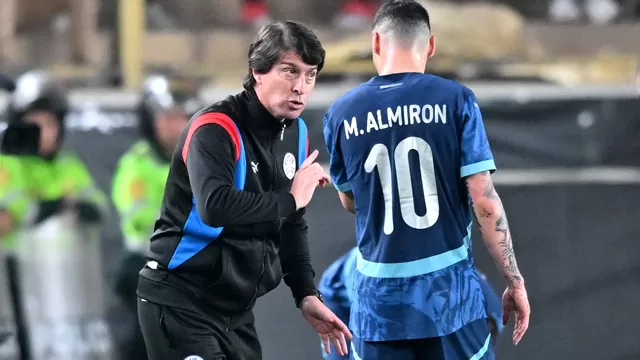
232,219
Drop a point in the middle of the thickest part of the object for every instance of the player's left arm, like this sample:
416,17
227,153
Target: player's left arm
346,198
337,169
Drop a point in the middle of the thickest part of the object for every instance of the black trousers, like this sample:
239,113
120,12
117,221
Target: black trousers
124,317
172,333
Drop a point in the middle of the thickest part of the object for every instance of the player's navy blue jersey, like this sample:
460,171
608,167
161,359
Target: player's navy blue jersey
402,144
336,284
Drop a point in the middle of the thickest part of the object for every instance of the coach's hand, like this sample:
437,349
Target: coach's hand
515,300
309,176
327,324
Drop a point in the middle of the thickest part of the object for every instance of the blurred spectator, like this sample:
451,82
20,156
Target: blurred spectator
595,11
353,13
356,14
255,12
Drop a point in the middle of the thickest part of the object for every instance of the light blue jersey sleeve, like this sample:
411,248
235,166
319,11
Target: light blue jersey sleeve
476,153
337,169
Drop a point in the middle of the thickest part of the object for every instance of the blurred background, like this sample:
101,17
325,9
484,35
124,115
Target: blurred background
557,84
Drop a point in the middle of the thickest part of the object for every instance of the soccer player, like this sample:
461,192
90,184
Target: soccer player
232,220
336,285
402,147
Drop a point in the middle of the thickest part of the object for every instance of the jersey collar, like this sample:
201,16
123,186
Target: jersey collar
392,78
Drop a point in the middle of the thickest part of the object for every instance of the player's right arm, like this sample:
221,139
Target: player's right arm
476,167
211,163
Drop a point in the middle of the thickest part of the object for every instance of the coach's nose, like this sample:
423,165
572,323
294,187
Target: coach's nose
300,86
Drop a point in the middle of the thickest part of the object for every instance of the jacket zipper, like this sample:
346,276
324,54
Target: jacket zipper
264,246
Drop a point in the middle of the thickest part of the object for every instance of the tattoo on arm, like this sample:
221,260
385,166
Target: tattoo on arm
506,248
490,190
492,222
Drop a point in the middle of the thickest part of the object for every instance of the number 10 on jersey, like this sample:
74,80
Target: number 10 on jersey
379,158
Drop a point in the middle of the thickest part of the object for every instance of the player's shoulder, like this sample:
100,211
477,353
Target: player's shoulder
347,99
447,85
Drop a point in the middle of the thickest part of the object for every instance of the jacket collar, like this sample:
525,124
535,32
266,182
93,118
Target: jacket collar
260,119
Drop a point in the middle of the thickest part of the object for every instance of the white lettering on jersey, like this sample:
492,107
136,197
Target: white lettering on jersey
402,115
351,128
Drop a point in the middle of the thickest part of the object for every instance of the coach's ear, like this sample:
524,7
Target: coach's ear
256,77
432,47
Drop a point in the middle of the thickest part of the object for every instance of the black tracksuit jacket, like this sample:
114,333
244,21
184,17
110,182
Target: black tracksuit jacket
263,239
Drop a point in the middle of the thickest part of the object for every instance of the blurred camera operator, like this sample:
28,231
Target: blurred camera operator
48,179
138,186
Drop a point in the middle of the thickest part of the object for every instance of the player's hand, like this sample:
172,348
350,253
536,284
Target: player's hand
327,324
309,176
515,300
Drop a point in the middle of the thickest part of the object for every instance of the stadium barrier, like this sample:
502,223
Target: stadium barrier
569,180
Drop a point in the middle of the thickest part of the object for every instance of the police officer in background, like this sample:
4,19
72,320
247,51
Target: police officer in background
138,186
52,179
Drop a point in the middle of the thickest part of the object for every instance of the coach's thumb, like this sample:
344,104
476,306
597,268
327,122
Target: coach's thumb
310,159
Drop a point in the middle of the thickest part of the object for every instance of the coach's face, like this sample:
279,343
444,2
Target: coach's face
284,90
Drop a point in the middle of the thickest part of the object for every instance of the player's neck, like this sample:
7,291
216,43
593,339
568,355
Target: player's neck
400,69
400,63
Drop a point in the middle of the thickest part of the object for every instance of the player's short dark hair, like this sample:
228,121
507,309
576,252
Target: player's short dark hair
403,18
277,38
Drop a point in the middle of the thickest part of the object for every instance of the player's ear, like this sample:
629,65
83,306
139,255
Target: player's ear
375,43
256,76
432,47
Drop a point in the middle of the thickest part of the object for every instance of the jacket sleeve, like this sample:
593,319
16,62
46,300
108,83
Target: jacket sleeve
210,153
295,258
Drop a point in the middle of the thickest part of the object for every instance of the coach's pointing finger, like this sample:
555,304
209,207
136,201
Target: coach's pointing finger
310,159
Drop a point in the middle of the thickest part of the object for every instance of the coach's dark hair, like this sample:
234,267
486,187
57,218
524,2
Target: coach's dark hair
277,38
403,19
